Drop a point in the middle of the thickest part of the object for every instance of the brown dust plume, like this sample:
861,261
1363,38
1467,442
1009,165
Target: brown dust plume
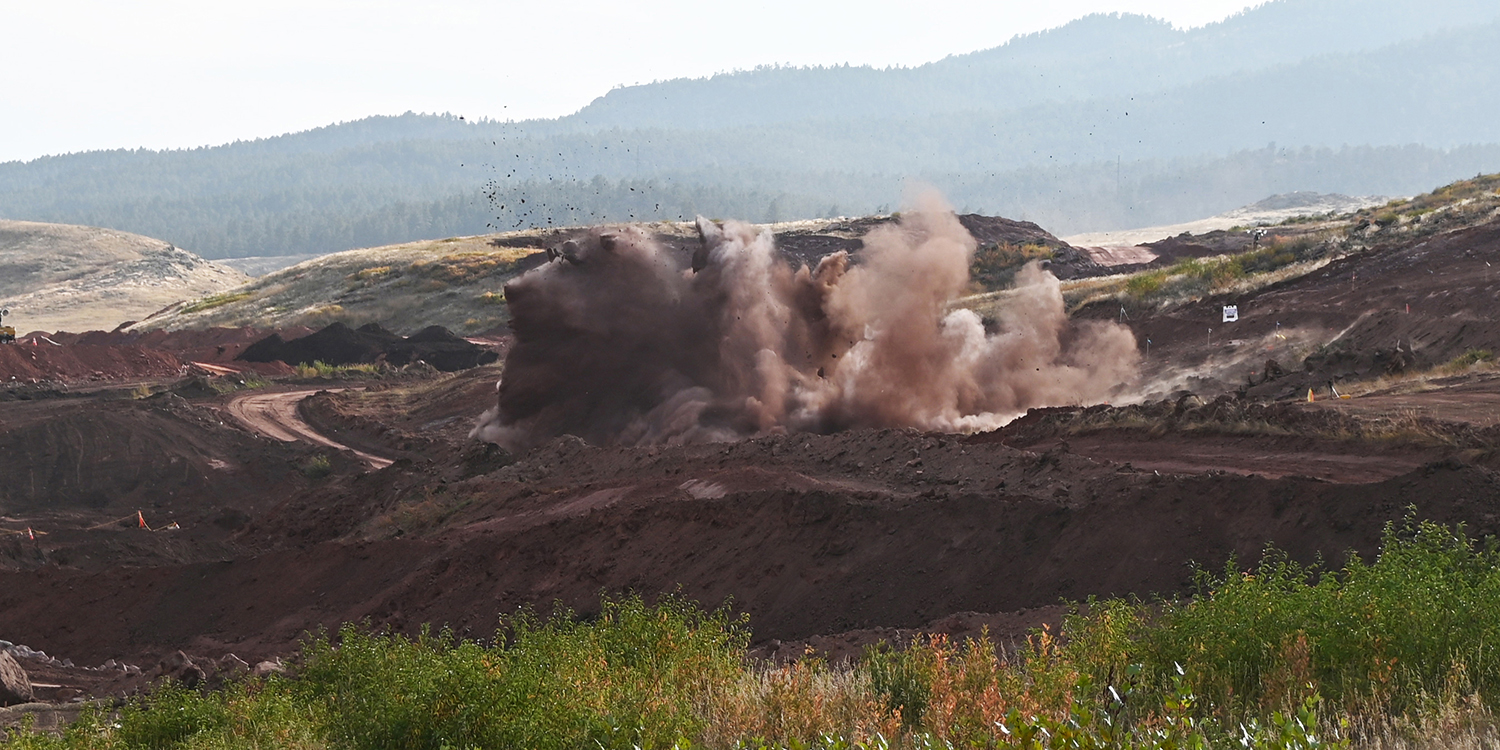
618,343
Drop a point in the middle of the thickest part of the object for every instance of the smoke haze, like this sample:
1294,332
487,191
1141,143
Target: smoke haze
617,342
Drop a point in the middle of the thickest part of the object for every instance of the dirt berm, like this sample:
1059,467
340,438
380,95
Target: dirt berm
809,534
338,344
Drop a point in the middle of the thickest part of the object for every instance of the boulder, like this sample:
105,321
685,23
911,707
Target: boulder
267,668
15,686
179,667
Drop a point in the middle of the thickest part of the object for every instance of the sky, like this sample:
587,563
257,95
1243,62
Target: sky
81,75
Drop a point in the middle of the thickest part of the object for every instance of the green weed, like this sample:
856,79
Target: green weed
214,300
320,369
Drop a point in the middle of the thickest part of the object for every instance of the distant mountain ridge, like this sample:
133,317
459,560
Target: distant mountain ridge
1098,56
1109,121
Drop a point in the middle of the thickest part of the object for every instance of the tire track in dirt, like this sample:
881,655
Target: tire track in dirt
275,416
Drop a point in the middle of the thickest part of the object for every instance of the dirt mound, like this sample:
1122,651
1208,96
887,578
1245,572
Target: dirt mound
338,344
78,470
100,356
28,364
809,534
431,418
809,241
174,454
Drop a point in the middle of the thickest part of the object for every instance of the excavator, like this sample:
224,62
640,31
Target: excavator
7,333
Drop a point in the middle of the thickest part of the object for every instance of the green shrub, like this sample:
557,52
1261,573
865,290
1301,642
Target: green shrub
632,677
1397,632
903,678
1145,284
248,715
1469,359
994,265
316,467
319,369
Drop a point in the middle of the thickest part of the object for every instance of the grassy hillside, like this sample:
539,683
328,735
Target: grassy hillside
59,277
452,282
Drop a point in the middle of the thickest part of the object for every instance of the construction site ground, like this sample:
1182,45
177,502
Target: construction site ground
827,541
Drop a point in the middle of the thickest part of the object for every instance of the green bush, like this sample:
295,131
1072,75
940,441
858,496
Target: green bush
320,369
1258,658
1469,359
1409,628
631,678
1145,284
994,265
316,467
249,715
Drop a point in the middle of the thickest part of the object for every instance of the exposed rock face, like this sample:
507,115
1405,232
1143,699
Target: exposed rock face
15,686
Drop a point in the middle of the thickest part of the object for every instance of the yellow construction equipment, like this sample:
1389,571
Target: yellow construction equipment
7,333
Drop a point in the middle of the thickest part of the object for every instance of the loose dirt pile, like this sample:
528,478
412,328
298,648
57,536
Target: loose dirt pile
337,344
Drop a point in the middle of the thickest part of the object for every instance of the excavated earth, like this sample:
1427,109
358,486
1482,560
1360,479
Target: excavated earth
829,541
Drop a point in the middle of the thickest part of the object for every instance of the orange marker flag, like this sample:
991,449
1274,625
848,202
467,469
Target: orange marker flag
142,518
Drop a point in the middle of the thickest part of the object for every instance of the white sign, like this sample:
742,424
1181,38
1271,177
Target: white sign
1231,313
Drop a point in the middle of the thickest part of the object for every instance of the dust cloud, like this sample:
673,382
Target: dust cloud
618,343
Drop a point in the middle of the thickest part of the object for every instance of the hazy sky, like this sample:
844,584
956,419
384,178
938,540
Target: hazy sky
78,75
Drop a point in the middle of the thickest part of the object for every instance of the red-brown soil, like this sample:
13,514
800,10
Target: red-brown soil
809,534
97,356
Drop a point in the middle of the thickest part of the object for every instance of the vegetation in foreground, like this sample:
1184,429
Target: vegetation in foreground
320,369
1394,652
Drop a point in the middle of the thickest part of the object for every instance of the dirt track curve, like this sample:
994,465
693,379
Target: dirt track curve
275,416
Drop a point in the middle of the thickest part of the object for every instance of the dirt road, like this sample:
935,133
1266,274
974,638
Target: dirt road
275,415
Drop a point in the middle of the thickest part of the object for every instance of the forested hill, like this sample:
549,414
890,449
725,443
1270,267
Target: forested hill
1098,56
1107,122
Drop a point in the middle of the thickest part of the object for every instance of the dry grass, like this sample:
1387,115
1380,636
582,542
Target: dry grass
1474,362
453,283
807,698
1190,280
